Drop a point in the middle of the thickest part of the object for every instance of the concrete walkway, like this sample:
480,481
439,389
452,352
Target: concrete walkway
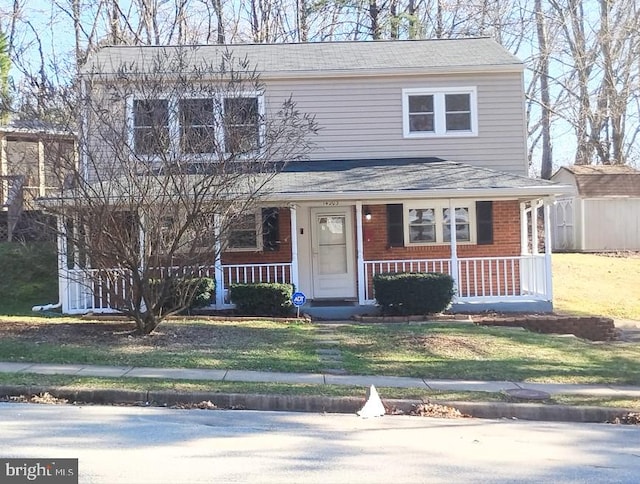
316,378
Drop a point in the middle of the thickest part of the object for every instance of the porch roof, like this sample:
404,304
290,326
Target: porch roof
403,178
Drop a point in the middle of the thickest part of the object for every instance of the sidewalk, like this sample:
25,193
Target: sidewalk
317,379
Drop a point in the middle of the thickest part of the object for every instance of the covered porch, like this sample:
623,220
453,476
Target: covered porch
505,283
342,222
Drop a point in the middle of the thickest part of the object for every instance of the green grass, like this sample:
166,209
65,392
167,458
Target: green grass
247,345
28,276
442,350
142,384
473,352
588,284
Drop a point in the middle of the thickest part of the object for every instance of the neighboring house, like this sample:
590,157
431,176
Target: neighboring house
31,156
604,214
411,132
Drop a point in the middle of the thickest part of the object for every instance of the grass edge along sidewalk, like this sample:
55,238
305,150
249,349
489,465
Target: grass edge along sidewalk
431,351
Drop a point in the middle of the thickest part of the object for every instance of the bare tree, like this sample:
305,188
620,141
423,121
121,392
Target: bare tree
546,164
174,154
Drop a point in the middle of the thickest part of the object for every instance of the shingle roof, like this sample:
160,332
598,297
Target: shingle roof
329,57
403,177
606,180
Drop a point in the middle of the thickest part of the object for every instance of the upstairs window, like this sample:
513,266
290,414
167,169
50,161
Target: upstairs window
241,124
151,126
197,126
439,112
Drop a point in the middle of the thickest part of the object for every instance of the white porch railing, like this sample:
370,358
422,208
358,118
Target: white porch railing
94,290
478,278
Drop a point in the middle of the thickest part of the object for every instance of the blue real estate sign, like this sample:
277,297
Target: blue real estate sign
298,299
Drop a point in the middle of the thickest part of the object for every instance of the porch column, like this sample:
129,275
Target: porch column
294,246
454,247
360,253
4,188
141,242
535,249
547,248
524,229
217,264
63,276
42,183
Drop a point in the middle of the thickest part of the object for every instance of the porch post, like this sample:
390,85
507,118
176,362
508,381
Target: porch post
217,264
63,276
360,253
3,168
42,183
547,249
535,249
524,229
454,247
294,246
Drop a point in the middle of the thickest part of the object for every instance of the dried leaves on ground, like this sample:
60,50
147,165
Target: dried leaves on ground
436,410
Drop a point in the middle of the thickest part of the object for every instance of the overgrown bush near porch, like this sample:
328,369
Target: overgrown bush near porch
191,293
409,293
262,299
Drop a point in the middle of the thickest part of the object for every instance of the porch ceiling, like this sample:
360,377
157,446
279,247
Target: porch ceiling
403,178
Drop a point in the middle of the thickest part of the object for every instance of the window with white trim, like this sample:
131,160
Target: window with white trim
245,232
241,124
439,112
221,124
197,126
150,126
428,223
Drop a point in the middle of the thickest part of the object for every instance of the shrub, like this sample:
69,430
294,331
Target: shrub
197,291
263,299
408,293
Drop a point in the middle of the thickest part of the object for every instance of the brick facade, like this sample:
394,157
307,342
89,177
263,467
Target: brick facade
282,254
506,237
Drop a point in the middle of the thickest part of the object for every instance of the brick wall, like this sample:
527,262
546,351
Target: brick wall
283,254
506,237
497,275
592,328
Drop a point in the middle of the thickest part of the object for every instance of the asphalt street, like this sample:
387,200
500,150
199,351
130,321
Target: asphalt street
117,445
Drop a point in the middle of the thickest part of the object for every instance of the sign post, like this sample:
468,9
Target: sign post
298,299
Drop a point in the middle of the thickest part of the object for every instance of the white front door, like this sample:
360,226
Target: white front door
333,265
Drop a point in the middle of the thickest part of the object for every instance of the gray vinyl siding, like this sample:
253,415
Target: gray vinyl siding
362,118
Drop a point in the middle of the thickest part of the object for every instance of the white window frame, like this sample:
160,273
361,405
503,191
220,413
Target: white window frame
439,206
258,248
173,105
261,115
439,109
131,124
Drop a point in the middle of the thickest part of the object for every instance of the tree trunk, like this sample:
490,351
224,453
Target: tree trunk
546,167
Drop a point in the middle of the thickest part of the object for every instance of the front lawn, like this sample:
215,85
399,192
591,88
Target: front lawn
466,351
248,345
432,351
589,284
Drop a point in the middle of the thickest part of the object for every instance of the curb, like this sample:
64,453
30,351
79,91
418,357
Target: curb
318,404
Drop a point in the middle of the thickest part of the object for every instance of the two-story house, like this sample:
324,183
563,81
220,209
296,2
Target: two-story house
420,164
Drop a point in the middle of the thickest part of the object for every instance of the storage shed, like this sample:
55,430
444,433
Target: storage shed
604,213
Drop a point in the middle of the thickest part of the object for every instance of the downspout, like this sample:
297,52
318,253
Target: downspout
62,262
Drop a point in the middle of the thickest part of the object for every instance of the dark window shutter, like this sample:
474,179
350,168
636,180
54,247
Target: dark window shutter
270,229
484,222
395,225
